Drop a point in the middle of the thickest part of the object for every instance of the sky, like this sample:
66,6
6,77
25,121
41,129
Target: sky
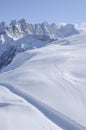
37,11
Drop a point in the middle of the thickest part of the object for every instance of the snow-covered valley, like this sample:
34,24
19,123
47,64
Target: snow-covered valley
45,88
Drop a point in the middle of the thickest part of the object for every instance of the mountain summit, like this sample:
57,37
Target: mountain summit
17,29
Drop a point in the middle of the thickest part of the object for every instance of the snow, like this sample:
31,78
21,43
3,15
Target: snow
55,116
16,113
51,83
19,29
22,36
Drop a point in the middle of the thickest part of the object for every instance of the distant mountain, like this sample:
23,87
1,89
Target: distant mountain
21,35
17,29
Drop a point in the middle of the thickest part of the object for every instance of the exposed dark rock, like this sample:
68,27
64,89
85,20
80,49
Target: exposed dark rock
7,56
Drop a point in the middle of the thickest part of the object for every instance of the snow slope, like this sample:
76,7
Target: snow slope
17,114
53,80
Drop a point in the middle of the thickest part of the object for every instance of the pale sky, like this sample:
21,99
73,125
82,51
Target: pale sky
37,11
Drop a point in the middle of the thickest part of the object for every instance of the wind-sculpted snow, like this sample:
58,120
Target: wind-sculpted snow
59,119
16,113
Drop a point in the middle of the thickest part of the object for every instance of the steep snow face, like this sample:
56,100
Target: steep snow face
10,48
54,75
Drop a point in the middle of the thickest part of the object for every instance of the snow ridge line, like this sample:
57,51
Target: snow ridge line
56,117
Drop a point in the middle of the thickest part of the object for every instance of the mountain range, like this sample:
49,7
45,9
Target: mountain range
20,36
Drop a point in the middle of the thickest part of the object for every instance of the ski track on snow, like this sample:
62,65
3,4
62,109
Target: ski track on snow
53,115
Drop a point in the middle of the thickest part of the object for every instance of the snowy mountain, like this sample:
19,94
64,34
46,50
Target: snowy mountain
21,36
18,29
42,76
45,88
